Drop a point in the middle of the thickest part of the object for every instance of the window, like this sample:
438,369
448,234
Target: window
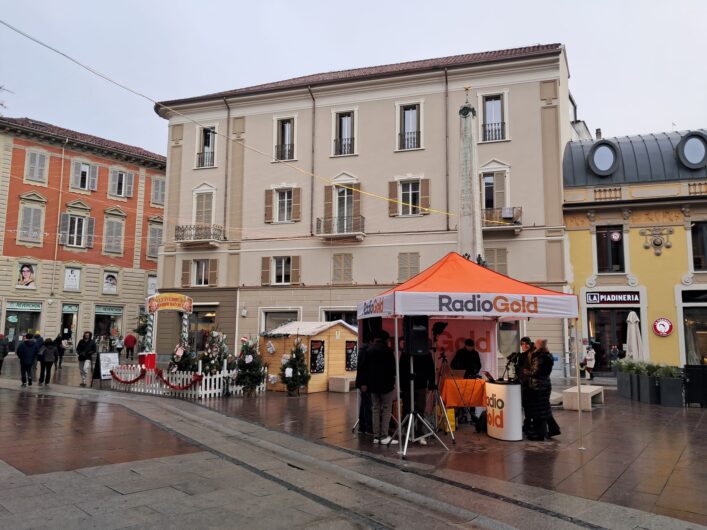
201,272
493,190
275,319
497,259
207,147
350,317
76,231
408,265
282,268
285,147
344,205
121,184
113,236
610,249
342,268
203,208
409,127
410,197
284,205
699,246
31,221
158,187
36,168
154,240
494,126
84,176
344,140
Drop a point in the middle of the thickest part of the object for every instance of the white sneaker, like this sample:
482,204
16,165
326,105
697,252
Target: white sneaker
376,441
423,441
389,440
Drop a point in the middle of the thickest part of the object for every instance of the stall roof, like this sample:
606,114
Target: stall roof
456,286
307,329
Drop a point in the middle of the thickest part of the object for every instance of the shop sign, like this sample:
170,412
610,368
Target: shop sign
662,327
70,308
34,307
109,310
613,297
169,302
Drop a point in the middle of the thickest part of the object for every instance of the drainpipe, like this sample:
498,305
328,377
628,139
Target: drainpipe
311,178
228,149
58,218
446,143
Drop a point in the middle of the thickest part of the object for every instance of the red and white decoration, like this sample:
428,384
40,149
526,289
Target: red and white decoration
662,327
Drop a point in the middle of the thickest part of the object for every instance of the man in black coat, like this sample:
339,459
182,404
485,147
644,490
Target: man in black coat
85,349
467,359
27,354
365,410
537,405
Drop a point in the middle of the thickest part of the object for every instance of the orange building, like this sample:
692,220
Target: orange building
80,230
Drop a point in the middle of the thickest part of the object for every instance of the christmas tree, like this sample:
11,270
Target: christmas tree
250,367
294,372
214,354
182,359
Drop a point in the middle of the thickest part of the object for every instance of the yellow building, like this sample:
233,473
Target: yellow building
635,209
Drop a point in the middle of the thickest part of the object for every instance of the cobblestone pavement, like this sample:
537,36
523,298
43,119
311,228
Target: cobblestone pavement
233,473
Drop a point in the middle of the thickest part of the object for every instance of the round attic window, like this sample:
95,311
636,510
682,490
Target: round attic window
692,150
603,159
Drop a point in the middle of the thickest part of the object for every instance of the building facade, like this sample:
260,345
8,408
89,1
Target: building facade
297,199
79,233
636,215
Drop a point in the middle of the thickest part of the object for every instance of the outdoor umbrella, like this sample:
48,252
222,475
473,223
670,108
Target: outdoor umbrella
634,344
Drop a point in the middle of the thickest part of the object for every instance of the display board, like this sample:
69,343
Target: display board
107,362
351,355
316,356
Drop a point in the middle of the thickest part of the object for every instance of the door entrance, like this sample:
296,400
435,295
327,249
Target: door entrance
608,327
344,210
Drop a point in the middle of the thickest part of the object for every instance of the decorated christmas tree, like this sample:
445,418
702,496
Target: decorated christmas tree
214,354
182,359
250,367
294,372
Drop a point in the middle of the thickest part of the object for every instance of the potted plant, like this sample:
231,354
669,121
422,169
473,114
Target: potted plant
671,383
623,378
649,389
636,369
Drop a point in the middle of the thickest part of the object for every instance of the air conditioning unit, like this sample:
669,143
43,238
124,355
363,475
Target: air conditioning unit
507,213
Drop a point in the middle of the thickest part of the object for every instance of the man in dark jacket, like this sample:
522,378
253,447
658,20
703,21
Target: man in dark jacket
4,349
378,378
85,350
423,377
27,354
467,359
537,406
48,355
365,410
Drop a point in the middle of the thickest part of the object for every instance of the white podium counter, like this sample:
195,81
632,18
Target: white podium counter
504,411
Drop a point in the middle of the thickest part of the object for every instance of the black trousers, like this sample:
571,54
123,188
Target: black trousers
365,413
26,373
129,352
59,360
46,372
1,361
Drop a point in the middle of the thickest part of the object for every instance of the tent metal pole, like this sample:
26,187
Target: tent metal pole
397,389
579,388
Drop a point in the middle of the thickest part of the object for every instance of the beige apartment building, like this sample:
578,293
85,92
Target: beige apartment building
299,198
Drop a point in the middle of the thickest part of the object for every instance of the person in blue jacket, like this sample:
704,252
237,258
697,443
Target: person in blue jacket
27,354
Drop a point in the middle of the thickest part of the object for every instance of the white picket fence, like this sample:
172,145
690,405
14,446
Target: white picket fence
210,386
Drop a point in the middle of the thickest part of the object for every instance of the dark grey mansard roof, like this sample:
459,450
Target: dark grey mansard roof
644,158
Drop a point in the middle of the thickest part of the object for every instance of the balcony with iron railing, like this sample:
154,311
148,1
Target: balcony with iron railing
199,234
205,159
344,146
341,227
285,152
508,218
493,132
409,140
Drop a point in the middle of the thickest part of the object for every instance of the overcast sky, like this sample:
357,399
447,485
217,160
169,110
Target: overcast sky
636,66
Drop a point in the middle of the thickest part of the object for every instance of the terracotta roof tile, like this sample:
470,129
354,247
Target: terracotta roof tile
60,132
388,70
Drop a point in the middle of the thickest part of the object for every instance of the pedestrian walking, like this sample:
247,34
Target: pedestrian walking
589,362
119,346
27,354
4,349
60,350
39,341
85,350
129,343
48,355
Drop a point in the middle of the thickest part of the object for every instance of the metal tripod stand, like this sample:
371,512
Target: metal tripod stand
464,406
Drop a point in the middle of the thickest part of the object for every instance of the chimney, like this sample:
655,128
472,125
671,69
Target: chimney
598,134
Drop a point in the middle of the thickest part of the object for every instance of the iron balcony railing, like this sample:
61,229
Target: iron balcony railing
511,216
332,226
185,233
205,159
285,152
409,140
344,146
494,131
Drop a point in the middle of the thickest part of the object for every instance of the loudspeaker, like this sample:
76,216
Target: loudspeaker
416,333
370,327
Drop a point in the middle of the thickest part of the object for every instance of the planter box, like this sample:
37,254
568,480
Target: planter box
623,384
635,389
671,392
649,391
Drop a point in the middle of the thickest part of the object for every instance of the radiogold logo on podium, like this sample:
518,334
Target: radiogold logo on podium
494,411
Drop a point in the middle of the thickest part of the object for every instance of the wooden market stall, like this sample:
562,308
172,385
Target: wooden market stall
331,353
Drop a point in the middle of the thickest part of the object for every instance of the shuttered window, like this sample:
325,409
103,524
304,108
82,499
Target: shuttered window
77,228
408,265
410,197
205,272
283,205
158,189
113,236
36,168
493,190
282,269
496,259
121,183
342,268
154,240
203,208
31,220
84,176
